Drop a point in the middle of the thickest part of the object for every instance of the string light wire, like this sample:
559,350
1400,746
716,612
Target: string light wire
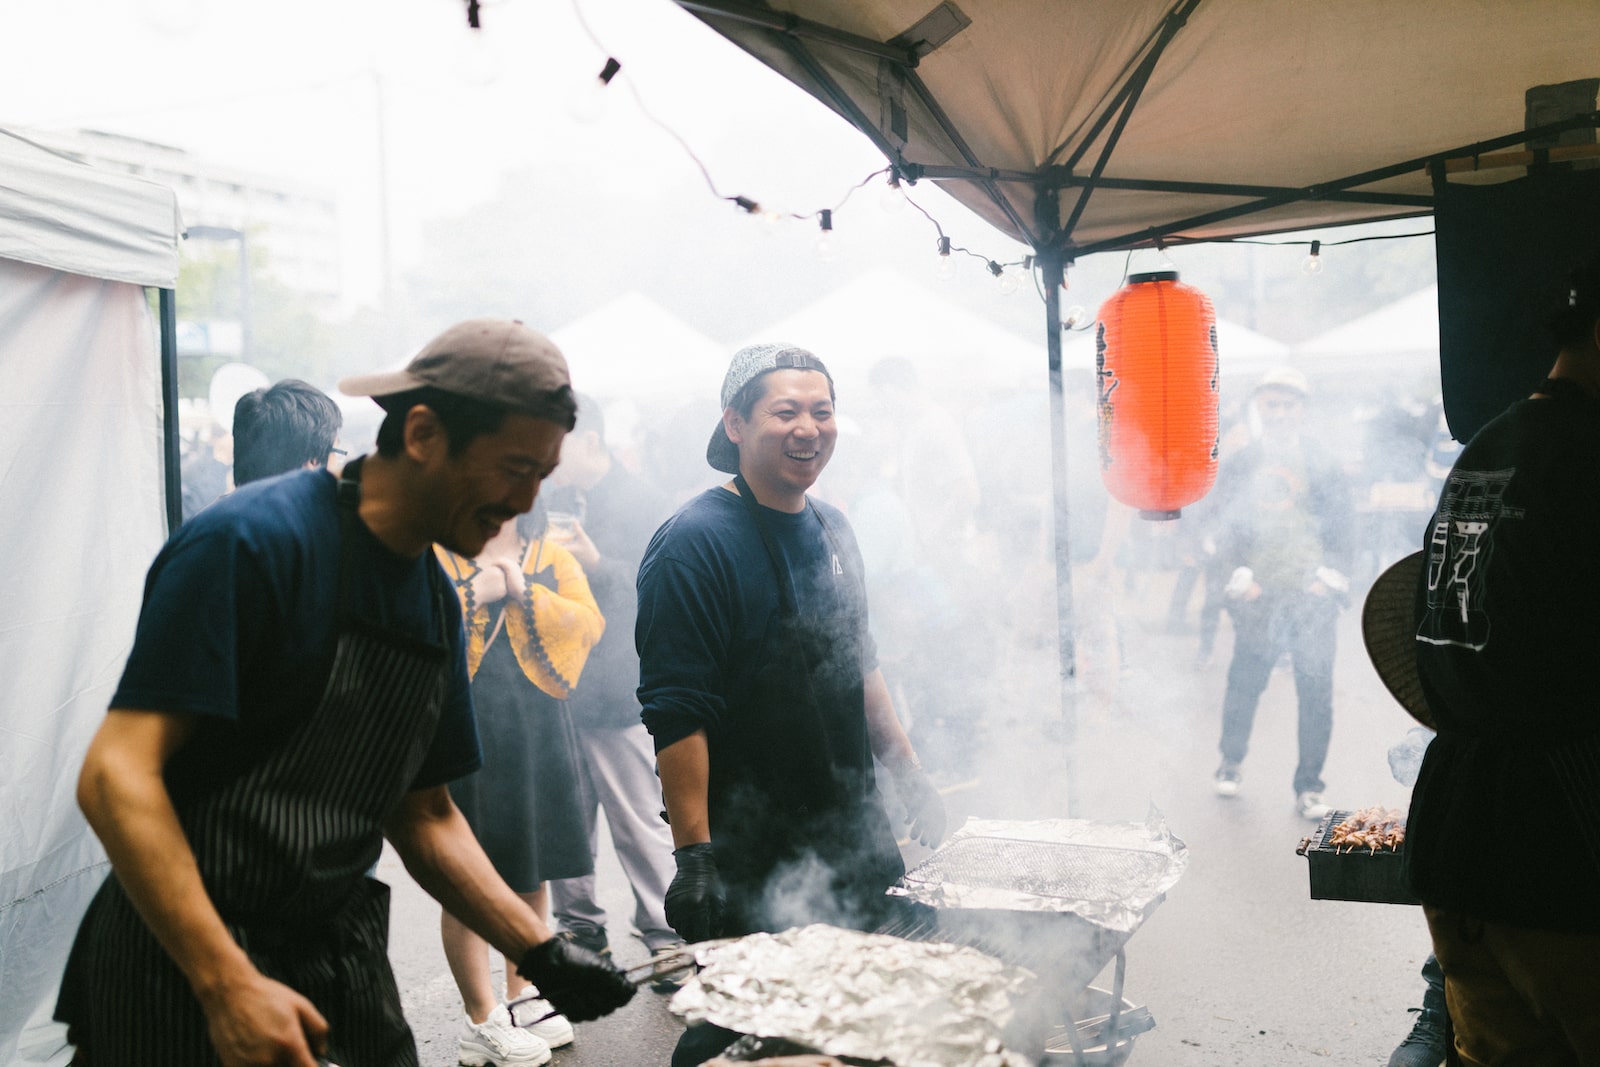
943,244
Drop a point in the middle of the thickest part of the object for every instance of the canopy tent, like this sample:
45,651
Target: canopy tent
1119,124
1402,336
81,480
634,357
631,347
850,331
1109,125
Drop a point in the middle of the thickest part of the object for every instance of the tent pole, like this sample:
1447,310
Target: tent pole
169,408
1051,266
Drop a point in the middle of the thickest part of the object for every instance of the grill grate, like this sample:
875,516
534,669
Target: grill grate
1075,872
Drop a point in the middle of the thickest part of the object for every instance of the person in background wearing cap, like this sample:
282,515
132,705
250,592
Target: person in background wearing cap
1281,518
1503,837
759,683
296,693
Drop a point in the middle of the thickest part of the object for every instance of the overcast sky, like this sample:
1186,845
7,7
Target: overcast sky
297,87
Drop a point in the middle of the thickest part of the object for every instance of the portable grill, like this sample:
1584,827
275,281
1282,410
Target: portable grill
1059,898
1353,872
1101,874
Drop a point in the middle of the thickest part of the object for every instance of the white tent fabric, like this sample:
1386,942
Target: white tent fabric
632,347
1408,328
82,495
1265,97
883,313
61,214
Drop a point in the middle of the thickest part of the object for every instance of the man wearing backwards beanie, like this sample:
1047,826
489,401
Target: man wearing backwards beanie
759,682
297,692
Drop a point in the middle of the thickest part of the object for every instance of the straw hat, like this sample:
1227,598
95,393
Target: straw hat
1389,630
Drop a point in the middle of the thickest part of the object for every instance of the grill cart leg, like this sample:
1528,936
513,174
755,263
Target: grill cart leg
1116,999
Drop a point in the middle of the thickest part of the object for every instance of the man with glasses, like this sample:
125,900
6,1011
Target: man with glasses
286,427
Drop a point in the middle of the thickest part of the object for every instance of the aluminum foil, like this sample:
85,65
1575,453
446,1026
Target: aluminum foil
868,996
1109,874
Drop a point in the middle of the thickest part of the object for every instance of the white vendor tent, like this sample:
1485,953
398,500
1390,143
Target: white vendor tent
632,348
883,313
635,357
1402,336
82,490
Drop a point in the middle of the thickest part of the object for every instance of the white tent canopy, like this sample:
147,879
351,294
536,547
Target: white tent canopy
632,347
74,219
883,313
81,489
1408,327
1191,119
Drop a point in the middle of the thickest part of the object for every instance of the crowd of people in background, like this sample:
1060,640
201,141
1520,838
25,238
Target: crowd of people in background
951,502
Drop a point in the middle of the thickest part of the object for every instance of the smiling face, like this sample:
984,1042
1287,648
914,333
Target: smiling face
465,499
787,439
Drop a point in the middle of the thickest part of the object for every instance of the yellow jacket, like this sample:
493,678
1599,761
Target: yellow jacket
552,637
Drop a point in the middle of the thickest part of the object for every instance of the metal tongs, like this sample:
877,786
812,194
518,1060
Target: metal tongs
680,959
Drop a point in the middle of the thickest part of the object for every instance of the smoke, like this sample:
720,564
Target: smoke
805,891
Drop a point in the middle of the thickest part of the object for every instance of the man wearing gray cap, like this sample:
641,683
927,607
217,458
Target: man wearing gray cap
759,679
296,693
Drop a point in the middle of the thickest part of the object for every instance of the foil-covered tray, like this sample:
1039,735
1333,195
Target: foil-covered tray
1109,874
865,996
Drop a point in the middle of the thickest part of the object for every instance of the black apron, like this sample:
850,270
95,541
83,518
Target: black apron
792,797
283,851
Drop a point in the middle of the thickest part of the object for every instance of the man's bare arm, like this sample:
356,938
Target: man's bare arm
685,768
884,732
441,852
252,1018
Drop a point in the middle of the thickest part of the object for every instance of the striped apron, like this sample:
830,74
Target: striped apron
283,851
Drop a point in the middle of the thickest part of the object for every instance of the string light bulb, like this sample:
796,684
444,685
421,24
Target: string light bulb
944,267
1074,317
893,196
826,248
589,103
1005,280
1313,263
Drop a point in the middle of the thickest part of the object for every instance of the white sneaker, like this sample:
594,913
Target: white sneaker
554,1031
1311,806
495,1042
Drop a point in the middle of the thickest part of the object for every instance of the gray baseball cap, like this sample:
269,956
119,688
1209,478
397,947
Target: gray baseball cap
750,363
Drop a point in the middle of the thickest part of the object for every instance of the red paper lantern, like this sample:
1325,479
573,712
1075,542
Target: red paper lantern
1156,358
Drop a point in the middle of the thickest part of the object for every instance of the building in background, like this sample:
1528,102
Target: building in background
294,225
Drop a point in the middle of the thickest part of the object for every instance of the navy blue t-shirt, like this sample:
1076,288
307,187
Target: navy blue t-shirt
707,595
238,626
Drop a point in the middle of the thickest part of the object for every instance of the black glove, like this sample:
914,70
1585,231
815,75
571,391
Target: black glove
695,898
924,807
578,983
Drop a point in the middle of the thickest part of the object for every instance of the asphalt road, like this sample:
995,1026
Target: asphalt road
1239,967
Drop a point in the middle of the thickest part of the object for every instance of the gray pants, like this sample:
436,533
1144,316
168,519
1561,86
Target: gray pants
619,771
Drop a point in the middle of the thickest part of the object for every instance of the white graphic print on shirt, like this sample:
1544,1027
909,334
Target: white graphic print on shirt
1459,547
